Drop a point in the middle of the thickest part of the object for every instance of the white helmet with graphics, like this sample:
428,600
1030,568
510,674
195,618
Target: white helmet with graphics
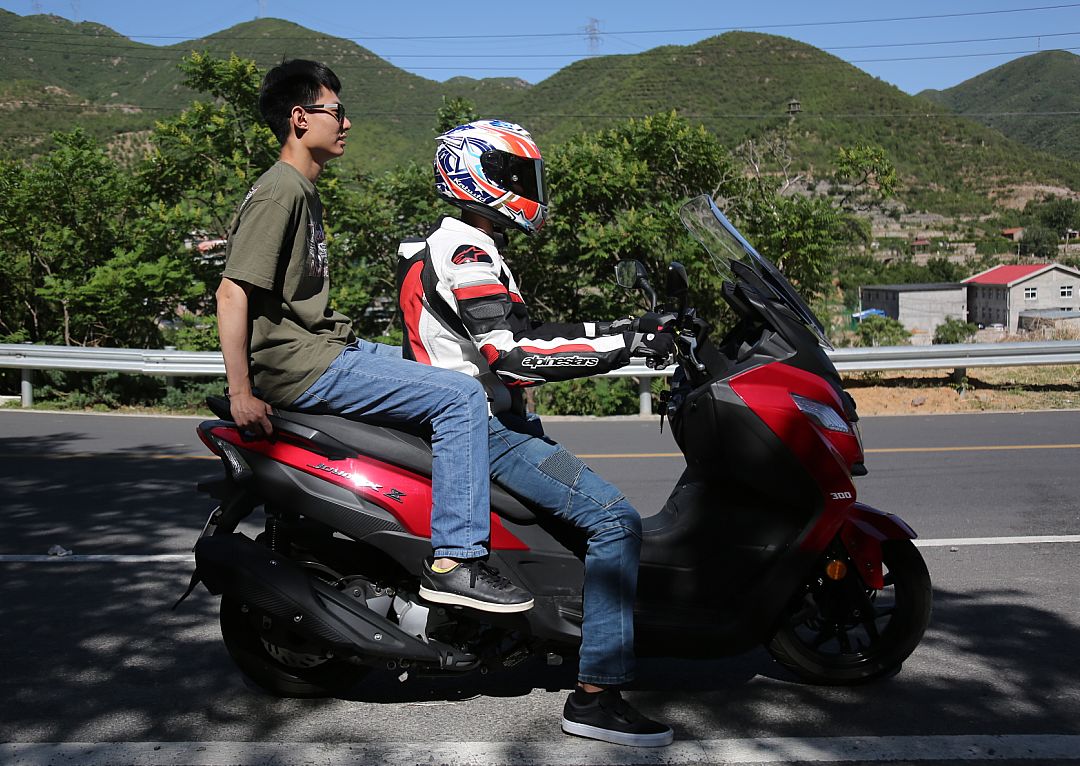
493,168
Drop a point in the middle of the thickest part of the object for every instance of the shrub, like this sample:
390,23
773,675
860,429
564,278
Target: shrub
588,396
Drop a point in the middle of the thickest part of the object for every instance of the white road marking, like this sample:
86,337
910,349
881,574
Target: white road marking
108,558
564,752
1030,540
125,558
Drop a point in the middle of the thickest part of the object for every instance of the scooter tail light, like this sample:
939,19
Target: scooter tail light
237,467
822,414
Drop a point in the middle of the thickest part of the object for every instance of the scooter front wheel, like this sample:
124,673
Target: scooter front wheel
843,632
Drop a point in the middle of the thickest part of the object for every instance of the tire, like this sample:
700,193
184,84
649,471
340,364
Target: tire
300,669
827,640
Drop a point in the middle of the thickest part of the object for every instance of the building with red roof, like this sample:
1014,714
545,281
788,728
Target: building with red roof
1001,295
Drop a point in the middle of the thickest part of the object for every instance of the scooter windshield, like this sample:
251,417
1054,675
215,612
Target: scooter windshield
703,219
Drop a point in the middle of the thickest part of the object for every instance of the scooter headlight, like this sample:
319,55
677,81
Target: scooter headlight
822,414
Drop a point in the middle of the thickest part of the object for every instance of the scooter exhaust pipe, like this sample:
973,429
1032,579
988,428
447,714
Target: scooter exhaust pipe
236,565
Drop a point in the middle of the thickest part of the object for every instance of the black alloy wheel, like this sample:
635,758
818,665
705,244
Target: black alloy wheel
843,632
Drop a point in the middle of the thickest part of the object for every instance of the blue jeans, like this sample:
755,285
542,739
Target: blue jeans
371,382
529,464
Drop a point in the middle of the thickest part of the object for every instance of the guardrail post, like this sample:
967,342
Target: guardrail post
645,395
170,380
27,388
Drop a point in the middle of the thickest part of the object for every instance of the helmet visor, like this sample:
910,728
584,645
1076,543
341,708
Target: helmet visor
523,176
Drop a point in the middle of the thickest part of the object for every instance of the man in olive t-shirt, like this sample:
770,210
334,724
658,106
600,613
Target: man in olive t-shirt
273,303
294,336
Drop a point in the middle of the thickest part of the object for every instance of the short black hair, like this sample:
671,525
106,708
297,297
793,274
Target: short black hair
289,84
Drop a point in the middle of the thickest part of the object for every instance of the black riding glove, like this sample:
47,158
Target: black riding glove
660,345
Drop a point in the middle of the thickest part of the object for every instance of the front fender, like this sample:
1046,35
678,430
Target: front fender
863,533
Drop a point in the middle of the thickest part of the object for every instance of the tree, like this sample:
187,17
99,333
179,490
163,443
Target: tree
1058,214
81,267
616,195
454,112
881,331
954,330
203,161
866,174
1039,242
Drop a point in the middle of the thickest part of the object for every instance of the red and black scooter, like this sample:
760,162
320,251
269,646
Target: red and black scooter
760,541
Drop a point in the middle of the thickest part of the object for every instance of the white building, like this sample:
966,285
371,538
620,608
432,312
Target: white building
1001,295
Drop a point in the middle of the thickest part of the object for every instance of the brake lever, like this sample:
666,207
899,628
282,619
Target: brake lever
692,354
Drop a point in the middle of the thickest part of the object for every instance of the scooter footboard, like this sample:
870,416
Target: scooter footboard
862,536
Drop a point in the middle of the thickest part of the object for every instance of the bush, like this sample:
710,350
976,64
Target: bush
588,396
99,391
881,331
954,330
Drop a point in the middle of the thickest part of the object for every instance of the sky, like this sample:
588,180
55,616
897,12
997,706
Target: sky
914,45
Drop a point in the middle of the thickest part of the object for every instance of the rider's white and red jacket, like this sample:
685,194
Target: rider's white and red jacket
463,311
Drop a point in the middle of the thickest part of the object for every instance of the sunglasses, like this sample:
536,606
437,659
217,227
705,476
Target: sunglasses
337,109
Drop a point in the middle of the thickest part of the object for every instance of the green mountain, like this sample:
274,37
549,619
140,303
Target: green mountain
54,74
1005,98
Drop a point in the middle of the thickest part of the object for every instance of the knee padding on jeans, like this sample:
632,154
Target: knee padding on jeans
563,467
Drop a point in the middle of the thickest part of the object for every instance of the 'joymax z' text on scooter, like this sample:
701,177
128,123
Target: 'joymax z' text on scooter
761,540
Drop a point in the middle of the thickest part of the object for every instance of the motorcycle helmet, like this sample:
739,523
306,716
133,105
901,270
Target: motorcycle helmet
493,168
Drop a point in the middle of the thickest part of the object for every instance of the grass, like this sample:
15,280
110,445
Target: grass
984,389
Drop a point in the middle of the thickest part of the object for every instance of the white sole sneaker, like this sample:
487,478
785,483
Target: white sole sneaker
660,739
453,599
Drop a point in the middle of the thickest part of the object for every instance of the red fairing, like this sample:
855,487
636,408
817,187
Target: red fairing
826,455
862,535
404,494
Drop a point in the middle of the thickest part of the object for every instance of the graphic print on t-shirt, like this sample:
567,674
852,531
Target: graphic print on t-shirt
469,254
317,261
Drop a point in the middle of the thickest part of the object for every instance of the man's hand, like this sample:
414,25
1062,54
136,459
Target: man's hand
250,413
660,345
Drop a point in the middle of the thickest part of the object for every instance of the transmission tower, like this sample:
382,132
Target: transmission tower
262,9
35,7
592,35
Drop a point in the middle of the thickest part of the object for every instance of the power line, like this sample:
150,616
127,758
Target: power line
382,63
746,27
46,105
104,46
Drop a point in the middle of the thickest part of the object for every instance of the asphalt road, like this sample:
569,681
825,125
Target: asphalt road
91,652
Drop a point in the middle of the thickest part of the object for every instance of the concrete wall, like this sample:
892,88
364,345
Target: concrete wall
1049,289
922,311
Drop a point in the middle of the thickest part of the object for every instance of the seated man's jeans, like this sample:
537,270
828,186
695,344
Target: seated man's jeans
371,382
529,464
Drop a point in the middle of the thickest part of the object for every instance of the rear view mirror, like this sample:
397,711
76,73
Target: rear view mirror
630,274
633,276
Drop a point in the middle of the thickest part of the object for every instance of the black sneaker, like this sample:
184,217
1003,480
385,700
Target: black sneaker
473,584
608,717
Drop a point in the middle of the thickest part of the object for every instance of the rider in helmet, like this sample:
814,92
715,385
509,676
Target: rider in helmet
463,311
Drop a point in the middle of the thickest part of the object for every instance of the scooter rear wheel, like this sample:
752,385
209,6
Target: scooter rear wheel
846,633
284,671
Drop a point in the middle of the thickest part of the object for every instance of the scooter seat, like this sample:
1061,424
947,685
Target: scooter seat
408,448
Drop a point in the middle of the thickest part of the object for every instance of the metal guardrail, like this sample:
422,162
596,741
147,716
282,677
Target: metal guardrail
171,363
